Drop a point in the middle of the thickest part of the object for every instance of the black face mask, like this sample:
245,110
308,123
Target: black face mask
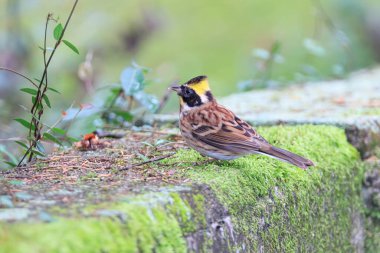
190,97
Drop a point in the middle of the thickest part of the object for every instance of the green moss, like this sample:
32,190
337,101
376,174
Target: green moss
189,211
372,242
137,225
182,210
372,213
280,207
198,208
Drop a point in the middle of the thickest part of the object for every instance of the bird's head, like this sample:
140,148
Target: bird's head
194,92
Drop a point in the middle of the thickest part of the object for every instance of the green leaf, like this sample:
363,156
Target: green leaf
36,152
24,123
57,33
125,115
10,164
116,91
46,99
29,91
54,90
71,46
50,137
7,153
132,80
58,130
150,102
38,80
22,144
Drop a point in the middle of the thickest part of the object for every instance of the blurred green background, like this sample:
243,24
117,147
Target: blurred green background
227,40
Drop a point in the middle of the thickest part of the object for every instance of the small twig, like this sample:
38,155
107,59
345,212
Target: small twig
154,159
103,134
19,74
165,98
130,103
20,177
26,153
45,40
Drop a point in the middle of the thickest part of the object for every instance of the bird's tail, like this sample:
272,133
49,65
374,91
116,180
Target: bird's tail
287,156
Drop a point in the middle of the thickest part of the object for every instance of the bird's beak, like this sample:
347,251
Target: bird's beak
176,89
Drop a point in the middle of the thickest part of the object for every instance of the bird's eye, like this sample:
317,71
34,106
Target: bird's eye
188,91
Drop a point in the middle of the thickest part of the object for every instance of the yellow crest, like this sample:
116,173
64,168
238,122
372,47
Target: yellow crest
199,84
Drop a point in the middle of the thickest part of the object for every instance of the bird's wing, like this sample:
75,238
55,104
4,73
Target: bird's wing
220,128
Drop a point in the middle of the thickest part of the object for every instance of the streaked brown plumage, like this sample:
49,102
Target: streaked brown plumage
215,131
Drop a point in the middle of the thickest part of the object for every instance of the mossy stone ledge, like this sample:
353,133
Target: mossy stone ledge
252,204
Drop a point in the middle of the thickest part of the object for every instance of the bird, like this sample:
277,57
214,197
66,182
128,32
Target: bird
215,131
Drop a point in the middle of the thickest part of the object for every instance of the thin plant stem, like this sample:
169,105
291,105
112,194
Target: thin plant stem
165,97
19,74
37,107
